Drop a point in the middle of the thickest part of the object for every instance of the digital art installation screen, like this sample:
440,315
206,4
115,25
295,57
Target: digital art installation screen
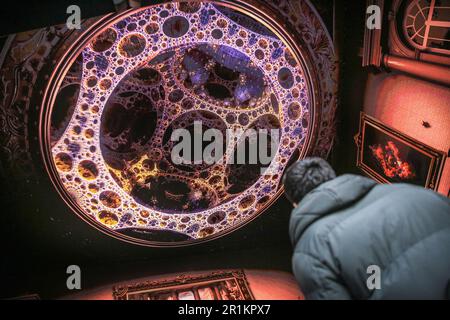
138,78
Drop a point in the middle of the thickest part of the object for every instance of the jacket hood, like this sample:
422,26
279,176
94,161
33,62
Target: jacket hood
327,198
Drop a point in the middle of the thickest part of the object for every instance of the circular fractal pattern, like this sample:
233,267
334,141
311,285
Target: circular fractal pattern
160,69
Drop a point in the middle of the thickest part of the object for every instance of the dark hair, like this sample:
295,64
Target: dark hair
304,176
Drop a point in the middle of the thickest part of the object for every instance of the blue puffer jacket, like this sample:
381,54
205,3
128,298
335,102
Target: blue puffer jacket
350,223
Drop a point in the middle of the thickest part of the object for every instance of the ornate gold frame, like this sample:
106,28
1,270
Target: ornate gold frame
187,282
438,158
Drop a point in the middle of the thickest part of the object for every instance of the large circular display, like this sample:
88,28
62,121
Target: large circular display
425,25
160,69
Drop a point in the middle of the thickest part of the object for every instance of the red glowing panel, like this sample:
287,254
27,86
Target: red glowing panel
391,161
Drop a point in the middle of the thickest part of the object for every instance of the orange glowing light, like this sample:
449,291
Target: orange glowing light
390,159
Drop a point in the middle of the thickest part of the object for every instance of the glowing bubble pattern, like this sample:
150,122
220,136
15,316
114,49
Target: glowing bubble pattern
160,69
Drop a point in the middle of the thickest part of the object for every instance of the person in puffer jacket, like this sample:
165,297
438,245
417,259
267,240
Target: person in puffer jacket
356,239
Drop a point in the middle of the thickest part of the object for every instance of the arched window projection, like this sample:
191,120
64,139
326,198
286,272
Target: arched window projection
426,25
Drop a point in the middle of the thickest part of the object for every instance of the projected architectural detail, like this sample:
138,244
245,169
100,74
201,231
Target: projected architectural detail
427,25
219,285
390,156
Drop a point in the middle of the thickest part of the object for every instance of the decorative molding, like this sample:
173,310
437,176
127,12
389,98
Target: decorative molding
223,285
27,59
398,55
311,33
424,70
372,49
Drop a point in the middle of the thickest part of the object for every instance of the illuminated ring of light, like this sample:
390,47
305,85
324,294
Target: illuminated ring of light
77,197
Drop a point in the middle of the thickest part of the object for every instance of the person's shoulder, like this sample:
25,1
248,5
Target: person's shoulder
347,181
413,193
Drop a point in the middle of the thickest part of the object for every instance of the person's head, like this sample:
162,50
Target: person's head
304,176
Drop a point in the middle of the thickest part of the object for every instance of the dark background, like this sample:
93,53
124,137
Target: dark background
41,236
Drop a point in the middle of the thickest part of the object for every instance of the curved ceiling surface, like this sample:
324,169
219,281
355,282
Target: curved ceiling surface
167,67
